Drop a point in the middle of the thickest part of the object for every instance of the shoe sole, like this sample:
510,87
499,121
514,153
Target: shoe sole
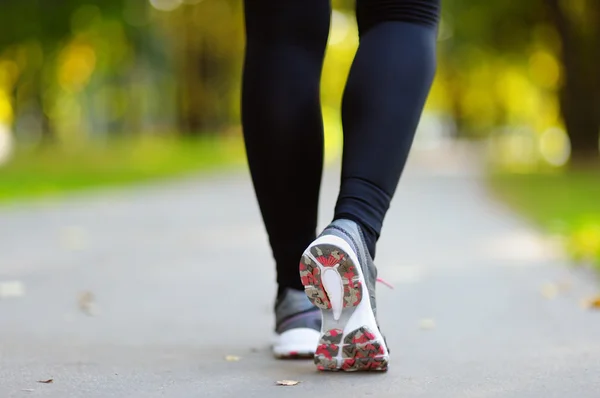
334,282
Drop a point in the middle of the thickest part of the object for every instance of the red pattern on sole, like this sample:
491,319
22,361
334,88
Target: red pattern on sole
352,293
330,260
361,351
310,276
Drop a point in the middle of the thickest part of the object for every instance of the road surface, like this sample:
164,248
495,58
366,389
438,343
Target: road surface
144,292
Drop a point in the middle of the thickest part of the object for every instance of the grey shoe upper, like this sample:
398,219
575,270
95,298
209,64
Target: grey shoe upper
294,310
351,233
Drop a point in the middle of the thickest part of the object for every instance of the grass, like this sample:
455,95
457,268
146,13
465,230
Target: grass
565,203
56,171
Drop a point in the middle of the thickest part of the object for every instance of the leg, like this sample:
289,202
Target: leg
386,91
383,101
282,123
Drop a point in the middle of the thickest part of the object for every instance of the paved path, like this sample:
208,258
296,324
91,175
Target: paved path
181,277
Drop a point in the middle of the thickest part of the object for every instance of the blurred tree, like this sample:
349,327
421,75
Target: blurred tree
578,25
205,46
524,35
479,42
29,31
75,68
34,36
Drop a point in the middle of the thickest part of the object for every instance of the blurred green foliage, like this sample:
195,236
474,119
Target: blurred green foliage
565,204
77,73
54,171
84,71
114,91
74,69
526,65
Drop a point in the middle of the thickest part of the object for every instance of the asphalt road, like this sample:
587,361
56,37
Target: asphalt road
143,292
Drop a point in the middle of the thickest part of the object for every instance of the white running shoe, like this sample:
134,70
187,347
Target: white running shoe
339,277
298,323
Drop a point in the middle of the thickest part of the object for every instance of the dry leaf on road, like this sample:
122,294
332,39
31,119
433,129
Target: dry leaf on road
592,303
287,382
232,358
46,381
86,303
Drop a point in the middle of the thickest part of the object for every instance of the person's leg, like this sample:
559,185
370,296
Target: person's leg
282,122
283,132
384,97
387,88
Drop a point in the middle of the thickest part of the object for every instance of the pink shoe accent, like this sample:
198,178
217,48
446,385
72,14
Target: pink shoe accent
384,283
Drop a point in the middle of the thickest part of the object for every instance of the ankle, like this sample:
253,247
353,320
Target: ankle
369,234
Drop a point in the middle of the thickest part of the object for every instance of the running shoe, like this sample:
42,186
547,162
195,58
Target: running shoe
297,326
339,277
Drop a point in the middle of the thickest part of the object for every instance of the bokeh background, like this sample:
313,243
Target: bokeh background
96,93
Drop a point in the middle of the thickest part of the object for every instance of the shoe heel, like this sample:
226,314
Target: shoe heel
350,339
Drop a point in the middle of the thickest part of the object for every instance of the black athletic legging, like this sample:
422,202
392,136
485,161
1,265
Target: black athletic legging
281,113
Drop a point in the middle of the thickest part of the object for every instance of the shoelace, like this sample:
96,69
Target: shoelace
384,283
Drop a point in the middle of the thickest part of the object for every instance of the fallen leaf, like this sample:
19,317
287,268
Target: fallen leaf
232,358
46,381
592,303
550,290
427,324
287,382
86,303
595,302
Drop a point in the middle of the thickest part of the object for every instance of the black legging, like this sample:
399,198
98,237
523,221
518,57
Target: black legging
281,113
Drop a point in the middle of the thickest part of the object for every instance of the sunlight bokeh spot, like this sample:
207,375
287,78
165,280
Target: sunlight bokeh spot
333,133
544,69
555,146
340,28
165,5
6,143
6,110
79,62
